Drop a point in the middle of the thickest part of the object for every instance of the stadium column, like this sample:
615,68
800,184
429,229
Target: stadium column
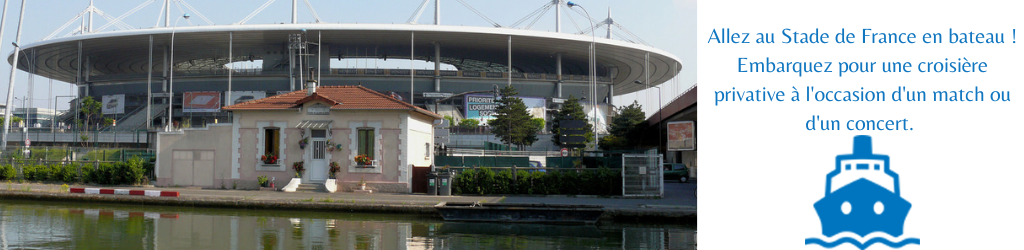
412,70
611,95
166,70
291,67
231,44
558,71
149,86
437,67
510,61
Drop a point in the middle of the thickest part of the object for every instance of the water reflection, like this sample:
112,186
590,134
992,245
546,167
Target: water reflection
91,226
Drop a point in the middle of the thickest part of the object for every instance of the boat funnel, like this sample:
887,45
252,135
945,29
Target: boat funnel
862,145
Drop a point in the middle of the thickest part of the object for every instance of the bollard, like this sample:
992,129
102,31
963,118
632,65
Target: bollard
515,180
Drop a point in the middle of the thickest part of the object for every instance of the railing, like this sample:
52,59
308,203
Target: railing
468,152
138,136
75,153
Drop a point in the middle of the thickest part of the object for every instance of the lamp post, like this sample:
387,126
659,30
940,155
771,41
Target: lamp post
659,110
170,89
593,70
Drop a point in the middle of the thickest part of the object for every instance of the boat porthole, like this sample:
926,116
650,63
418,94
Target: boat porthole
846,207
879,207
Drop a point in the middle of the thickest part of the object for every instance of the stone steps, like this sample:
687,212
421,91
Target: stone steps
311,187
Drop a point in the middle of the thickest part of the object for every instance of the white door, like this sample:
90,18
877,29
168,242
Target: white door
318,164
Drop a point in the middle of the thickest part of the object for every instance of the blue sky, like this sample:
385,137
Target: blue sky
669,25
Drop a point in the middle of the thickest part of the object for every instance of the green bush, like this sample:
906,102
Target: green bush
103,174
88,174
69,173
132,171
7,172
523,182
464,182
482,181
29,172
537,184
502,182
52,172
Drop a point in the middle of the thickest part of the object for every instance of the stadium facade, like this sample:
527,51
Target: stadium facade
130,70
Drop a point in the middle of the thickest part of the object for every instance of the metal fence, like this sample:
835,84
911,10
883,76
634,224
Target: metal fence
642,175
74,154
481,161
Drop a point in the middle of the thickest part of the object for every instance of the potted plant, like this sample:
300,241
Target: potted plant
334,169
362,183
303,142
297,166
269,158
262,180
363,160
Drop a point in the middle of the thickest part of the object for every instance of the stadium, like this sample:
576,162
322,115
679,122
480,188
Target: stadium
141,74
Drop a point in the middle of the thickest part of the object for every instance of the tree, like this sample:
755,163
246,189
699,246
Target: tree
537,123
469,123
626,127
451,121
14,119
90,108
571,110
509,118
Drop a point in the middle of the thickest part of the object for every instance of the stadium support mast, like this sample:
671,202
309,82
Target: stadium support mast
295,11
437,12
558,17
14,68
167,13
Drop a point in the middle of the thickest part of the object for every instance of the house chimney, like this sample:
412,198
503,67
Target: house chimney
310,87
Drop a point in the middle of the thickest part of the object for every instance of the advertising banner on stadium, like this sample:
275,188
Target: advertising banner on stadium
206,101
482,107
245,96
113,104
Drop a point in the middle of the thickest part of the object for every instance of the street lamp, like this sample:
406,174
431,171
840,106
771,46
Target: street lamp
170,90
659,110
593,70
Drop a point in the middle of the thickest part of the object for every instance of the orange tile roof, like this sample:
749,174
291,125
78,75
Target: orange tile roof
345,97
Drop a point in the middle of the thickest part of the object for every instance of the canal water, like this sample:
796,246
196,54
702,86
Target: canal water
46,225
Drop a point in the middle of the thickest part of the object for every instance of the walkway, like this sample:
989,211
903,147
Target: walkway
678,203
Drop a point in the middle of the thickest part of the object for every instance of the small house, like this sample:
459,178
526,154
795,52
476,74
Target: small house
315,127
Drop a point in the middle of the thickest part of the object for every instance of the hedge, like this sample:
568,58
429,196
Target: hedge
484,181
129,172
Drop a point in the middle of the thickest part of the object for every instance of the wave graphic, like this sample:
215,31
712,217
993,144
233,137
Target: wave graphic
863,245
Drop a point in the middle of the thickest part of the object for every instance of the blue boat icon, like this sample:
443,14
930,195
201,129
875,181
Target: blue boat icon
862,196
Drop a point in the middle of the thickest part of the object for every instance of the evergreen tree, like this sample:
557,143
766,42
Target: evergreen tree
626,128
510,118
571,110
